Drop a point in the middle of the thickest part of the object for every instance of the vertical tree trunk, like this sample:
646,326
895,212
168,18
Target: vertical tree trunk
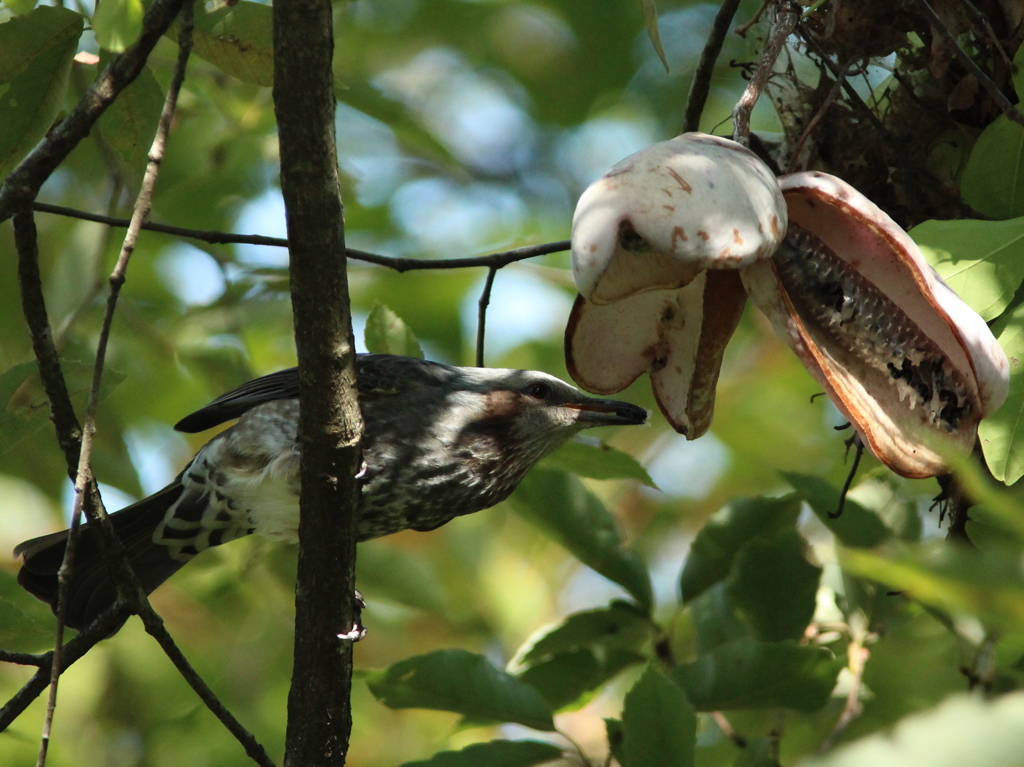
319,717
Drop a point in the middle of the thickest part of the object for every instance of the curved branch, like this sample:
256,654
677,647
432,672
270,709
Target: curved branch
21,186
398,263
700,86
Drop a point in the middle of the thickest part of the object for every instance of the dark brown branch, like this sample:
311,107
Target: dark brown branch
27,246
986,82
23,658
700,86
728,730
785,22
62,412
22,185
497,260
330,425
481,324
106,624
858,452
127,584
155,627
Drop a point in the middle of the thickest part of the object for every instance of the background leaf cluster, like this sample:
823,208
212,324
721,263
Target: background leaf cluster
658,600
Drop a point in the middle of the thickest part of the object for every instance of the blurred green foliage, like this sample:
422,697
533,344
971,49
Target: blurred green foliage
593,601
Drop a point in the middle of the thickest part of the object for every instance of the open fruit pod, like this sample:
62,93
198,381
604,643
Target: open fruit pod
901,355
655,245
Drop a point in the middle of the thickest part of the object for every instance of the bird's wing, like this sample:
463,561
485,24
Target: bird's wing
283,384
386,375
378,376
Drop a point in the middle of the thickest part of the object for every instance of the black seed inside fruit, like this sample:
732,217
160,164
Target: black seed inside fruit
865,324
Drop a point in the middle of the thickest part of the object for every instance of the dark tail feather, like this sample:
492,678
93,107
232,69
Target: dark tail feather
90,590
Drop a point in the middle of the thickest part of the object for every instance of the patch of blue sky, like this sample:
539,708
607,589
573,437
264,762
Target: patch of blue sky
587,152
684,469
479,116
264,215
523,308
114,499
444,218
192,274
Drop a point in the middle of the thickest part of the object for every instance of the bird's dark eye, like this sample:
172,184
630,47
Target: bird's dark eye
538,390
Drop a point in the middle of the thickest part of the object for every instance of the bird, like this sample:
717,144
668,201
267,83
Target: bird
438,442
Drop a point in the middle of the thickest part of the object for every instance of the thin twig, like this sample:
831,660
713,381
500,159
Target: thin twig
151,620
485,300
785,21
742,29
983,19
858,446
28,255
127,584
700,86
33,306
155,628
398,263
833,94
104,625
851,92
23,658
858,656
1007,108
728,730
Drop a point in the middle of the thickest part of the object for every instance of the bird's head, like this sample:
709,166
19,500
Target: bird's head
531,413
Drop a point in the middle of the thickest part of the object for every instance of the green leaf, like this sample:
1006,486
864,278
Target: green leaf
620,625
988,585
716,618
659,724
613,728
715,546
25,622
983,261
857,526
408,129
1018,73
565,678
1002,434
19,7
117,24
597,461
583,652
559,504
23,405
238,39
775,586
25,38
497,753
752,674
387,333
993,179
759,752
965,729
463,682
650,11
37,75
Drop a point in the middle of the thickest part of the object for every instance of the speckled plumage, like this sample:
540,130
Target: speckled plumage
439,442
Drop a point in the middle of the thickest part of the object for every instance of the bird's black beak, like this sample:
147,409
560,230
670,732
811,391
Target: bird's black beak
608,412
